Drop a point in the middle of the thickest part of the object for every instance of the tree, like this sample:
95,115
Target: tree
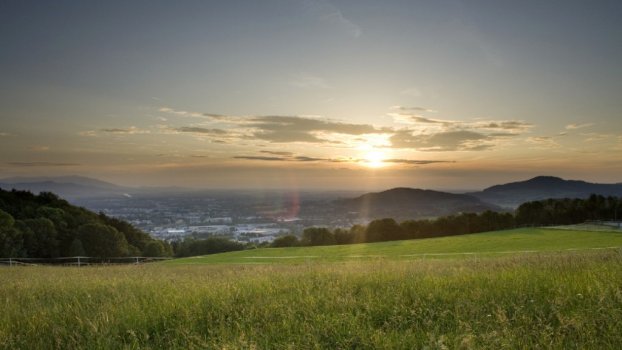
212,245
76,248
358,233
11,241
102,241
384,230
344,236
285,241
313,236
154,249
40,238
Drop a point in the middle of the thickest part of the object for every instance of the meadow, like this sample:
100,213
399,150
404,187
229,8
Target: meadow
552,299
488,244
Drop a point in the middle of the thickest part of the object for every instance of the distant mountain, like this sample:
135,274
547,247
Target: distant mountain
410,203
70,187
513,194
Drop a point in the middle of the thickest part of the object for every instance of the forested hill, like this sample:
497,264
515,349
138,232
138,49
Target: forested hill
513,194
46,226
408,203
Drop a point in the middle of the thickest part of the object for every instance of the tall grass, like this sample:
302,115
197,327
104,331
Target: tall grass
482,244
563,301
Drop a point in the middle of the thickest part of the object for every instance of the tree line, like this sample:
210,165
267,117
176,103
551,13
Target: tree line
46,226
388,229
536,213
569,211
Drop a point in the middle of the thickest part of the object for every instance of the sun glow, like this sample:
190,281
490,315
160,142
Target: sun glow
374,159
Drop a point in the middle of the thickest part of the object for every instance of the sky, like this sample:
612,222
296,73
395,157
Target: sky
311,94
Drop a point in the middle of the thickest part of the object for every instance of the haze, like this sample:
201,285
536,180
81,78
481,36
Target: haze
311,94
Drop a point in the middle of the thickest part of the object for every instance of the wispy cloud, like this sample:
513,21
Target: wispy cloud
190,114
4,134
328,13
41,164
132,130
416,162
300,158
412,115
39,148
413,109
595,136
199,130
435,134
578,126
546,142
413,92
308,81
261,158
303,129
462,140
88,133
277,153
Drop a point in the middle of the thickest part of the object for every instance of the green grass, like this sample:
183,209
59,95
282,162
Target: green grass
570,300
553,299
481,244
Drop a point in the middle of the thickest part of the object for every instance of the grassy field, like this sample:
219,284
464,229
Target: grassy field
480,245
558,300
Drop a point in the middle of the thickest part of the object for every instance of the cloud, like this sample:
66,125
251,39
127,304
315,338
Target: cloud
416,162
326,12
132,130
414,109
462,140
40,164
510,125
281,129
199,130
287,158
414,92
543,141
89,133
578,126
190,114
4,134
39,148
433,134
594,136
310,159
278,153
308,81
261,158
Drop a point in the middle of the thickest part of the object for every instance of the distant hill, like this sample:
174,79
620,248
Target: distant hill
69,187
410,203
513,194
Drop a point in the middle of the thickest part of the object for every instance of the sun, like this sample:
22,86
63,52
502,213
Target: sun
374,159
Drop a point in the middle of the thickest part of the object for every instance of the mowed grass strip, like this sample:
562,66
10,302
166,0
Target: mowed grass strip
569,300
479,244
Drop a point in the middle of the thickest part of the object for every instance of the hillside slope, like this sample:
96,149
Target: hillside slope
478,244
513,194
409,203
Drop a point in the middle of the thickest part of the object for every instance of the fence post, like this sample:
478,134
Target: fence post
10,262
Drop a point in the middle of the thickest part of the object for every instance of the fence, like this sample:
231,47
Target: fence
78,261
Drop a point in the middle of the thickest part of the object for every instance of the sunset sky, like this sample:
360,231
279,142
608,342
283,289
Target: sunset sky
311,94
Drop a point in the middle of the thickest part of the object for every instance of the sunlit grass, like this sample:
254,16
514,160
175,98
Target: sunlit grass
554,300
486,244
